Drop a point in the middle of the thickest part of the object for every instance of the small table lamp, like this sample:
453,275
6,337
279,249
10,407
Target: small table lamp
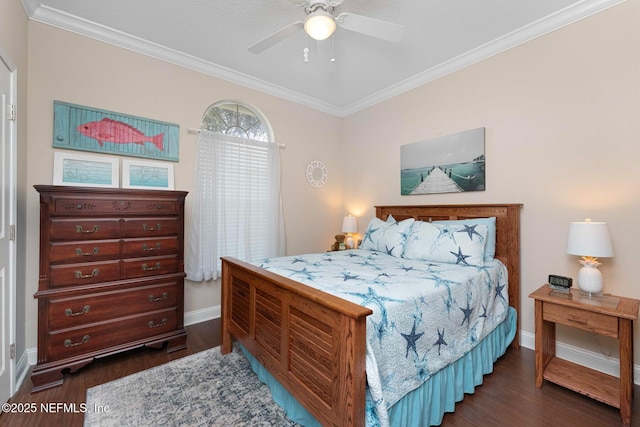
589,240
349,226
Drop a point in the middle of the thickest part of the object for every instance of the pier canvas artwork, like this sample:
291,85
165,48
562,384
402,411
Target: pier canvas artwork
82,128
446,164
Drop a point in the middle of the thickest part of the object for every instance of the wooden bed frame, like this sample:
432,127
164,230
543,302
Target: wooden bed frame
314,343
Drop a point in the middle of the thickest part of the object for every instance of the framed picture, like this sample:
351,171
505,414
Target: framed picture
76,127
446,164
86,171
147,175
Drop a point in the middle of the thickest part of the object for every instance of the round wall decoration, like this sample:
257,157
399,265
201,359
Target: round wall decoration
316,174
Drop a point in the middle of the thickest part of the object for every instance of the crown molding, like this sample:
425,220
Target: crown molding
543,26
30,6
47,15
65,21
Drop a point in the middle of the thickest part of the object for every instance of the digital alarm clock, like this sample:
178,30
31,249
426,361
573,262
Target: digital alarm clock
560,282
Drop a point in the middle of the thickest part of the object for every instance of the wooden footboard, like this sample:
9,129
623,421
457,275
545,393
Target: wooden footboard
312,342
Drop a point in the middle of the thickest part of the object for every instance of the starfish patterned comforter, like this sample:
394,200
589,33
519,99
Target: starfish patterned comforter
425,314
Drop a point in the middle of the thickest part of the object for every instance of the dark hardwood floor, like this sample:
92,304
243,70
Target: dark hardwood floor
508,396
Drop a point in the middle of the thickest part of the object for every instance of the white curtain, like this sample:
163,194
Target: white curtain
237,207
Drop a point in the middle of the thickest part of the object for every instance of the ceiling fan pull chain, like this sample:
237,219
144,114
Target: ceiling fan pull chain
333,50
305,51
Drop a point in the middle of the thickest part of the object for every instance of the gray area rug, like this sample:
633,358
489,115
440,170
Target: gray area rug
203,389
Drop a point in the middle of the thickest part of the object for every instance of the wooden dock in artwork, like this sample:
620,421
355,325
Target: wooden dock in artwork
437,182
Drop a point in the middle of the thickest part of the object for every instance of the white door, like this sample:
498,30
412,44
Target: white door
7,224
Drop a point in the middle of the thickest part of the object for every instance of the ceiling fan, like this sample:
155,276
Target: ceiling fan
320,24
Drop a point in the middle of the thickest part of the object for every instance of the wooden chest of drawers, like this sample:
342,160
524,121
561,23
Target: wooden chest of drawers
111,275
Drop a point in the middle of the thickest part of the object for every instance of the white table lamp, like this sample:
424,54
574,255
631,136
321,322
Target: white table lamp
349,226
589,240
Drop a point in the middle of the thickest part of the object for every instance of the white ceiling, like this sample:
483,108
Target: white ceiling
212,36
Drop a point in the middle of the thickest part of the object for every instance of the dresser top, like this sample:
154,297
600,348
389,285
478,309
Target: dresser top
96,191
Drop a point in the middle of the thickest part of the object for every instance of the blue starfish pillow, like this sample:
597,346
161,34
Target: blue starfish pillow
453,244
388,237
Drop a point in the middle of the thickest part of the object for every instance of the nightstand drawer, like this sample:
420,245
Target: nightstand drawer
589,321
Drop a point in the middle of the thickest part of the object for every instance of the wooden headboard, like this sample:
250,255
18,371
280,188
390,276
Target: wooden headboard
507,234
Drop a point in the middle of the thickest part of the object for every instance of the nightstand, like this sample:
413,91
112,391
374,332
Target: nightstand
607,315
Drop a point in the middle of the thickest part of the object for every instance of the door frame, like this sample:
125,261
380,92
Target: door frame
13,99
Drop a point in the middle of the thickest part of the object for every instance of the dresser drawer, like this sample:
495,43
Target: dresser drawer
84,273
83,229
150,246
588,320
83,251
150,227
65,343
76,311
151,266
79,206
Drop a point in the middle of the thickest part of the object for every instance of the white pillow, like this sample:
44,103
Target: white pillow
453,244
388,237
490,247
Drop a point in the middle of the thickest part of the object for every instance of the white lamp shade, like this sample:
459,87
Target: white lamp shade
349,224
590,239
320,24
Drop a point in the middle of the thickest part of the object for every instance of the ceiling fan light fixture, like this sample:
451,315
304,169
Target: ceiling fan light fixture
320,24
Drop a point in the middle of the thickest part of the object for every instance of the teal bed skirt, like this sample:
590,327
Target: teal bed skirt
426,405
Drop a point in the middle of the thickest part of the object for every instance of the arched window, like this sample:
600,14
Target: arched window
237,202
232,118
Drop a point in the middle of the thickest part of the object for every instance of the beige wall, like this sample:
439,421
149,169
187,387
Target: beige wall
560,114
13,39
561,117
67,67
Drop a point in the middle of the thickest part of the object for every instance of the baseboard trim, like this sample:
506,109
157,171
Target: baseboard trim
27,359
197,316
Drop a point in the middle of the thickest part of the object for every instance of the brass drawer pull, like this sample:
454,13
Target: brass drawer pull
93,252
164,296
157,325
145,267
68,343
94,273
80,229
145,227
145,247
69,312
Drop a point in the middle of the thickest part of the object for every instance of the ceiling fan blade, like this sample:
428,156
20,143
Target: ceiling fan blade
307,3
299,3
276,37
371,26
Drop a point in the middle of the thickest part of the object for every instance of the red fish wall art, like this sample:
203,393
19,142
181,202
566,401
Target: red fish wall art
107,130
89,129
